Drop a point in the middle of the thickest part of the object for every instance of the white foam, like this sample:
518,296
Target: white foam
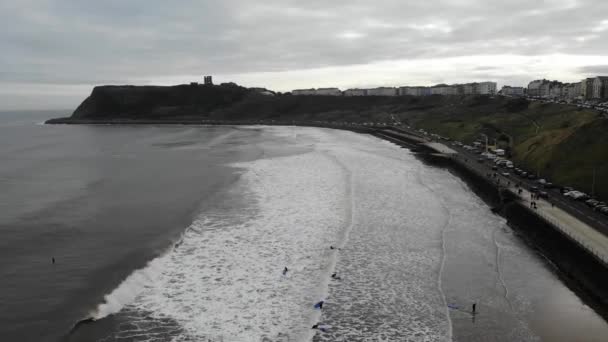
391,261
128,290
225,280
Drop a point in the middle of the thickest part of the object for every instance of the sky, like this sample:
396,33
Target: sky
55,51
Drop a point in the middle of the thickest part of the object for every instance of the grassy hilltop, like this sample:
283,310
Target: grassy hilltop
563,143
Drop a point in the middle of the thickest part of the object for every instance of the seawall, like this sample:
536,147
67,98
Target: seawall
584,273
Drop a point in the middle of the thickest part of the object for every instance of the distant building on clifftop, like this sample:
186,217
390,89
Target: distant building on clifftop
486,88
512,91
355,92
208,80
382,91
318,92
600,87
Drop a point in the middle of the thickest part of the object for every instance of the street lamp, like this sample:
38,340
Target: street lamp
485,136
593,184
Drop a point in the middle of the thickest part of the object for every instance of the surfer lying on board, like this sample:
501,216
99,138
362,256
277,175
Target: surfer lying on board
322,327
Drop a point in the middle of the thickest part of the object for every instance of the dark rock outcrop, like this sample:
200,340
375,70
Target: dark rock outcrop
150,102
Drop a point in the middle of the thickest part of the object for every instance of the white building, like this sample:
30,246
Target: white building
320,91
570,91
303,92
600,87
403,91
512,91
382,91
414,91
487,88
355,92
470,89
444,90
587,88
534,87
556,91
329,92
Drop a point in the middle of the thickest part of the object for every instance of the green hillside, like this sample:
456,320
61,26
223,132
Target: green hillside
563,143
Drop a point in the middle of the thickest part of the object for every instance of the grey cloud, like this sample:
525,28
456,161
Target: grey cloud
593,70
88,42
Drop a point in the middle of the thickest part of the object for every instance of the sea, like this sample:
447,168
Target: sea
220,233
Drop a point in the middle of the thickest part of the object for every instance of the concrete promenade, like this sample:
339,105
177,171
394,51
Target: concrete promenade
441,148
584,235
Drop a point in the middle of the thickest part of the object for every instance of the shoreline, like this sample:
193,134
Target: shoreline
580,271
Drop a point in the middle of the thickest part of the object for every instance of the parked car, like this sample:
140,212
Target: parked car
524,174
548,185
506,174
543,194
534,189
592,202
577,195
566,189
531,176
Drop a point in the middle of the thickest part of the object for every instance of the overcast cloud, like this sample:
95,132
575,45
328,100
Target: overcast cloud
54,52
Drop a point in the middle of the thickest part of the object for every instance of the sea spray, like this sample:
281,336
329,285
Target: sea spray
128,290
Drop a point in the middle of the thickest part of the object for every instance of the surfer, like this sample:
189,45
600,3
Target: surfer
321,327
474,307
319,305
53,259
335,276
285,270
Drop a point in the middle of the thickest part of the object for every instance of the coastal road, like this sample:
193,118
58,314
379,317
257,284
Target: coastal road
561,216
575,208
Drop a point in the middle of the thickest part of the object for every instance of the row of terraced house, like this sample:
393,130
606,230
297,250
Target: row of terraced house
592,88
481,88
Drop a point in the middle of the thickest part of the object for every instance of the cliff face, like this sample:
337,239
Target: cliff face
156,101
